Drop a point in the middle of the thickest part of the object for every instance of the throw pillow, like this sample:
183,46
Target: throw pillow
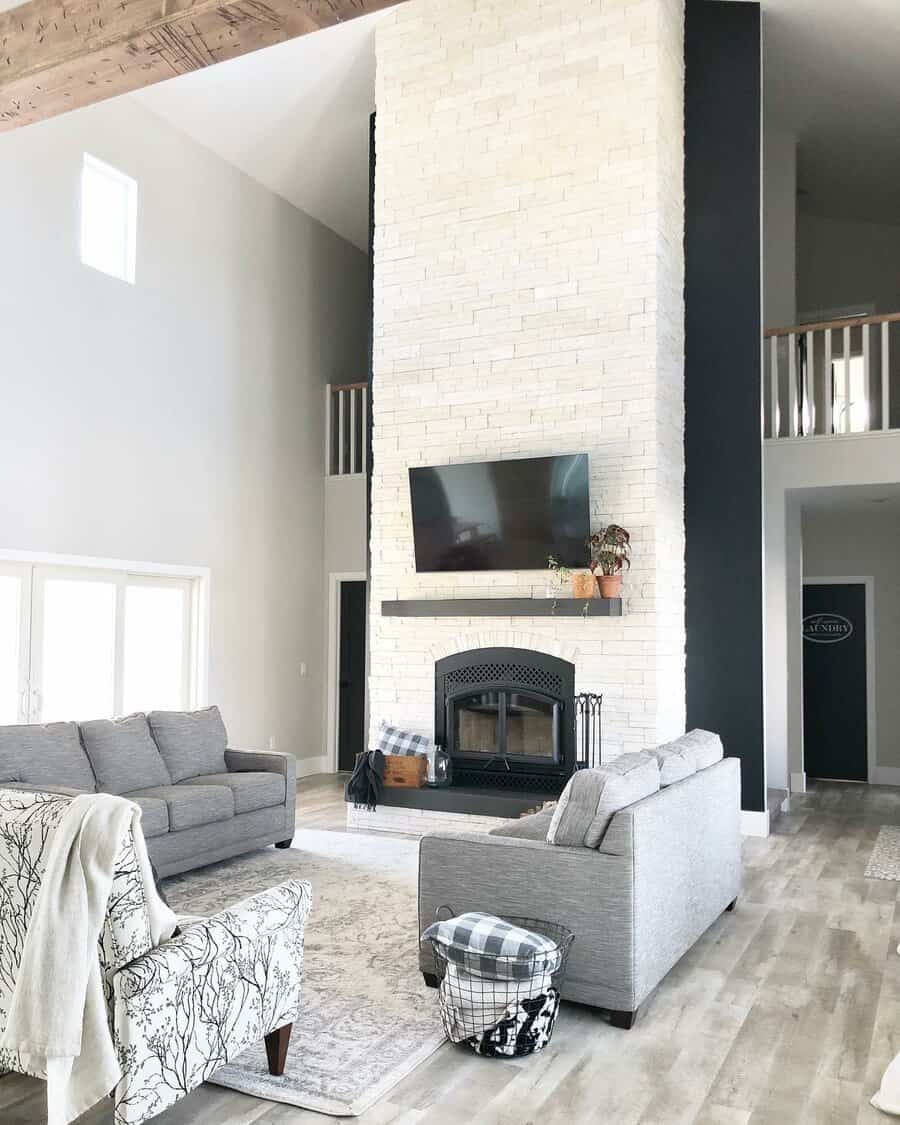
394,740
593,797
192,743
123,755
45,754
487,946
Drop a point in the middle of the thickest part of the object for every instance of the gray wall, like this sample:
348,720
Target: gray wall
861,544
181,420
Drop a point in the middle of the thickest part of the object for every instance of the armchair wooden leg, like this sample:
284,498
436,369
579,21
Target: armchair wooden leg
730,907
431,979
623,1020
277,1048
284,843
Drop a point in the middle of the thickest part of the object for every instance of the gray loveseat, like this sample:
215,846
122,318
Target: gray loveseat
200,801
664,869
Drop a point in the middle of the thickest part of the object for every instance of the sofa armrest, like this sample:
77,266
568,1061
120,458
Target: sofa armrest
589,892
195,1002
265,761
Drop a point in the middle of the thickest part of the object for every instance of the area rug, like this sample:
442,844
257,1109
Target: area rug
366,1017
884,862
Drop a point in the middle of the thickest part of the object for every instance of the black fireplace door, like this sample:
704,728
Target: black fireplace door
491,725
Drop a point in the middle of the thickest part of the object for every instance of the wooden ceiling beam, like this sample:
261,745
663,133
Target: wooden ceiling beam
57,55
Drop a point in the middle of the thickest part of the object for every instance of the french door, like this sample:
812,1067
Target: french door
80,643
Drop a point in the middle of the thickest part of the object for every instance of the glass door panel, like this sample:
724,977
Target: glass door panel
155,656
13,649
476,724
75,657
530,726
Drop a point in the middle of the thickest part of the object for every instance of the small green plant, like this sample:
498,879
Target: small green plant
610,550
563,573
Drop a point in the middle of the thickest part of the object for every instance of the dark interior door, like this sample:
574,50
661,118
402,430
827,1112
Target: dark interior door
352,678
835,727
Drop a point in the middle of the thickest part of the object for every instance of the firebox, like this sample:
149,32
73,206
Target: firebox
506,717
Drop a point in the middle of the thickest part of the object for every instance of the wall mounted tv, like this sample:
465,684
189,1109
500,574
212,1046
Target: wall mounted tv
501,515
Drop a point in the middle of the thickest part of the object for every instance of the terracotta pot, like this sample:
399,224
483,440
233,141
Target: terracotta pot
610,585
582,584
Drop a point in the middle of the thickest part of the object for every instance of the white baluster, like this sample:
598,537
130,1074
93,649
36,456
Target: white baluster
353,466
794,414
846,426
329,421
809,386
342,443
886,375
829,385
867,376
773,380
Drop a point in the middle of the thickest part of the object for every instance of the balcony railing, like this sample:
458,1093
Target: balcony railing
346,406
832,378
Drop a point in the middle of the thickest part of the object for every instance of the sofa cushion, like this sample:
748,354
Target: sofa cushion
704,747
51,754
123,754
154,816
592,798
674,760
533,827
192,743
191,805
252,790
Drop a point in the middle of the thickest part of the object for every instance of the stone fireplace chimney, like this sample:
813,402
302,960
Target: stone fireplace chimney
529,301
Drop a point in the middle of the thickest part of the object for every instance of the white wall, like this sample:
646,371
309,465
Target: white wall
529,300
842,263
791,468
779,227
867,543
181,420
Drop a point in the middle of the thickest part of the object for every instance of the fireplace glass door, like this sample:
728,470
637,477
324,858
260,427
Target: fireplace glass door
476,724
499,724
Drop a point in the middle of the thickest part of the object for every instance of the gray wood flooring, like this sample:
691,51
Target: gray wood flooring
787,1011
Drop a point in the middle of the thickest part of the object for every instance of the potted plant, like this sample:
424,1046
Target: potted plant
610,550
582,581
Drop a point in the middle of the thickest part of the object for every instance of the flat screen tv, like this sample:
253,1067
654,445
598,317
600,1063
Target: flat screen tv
501,515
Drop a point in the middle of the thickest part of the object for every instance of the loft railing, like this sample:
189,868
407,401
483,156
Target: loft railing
831,378
346,406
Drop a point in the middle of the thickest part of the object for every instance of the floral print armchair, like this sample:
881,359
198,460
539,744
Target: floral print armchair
178,1011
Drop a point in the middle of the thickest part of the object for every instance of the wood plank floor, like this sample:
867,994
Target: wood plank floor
787,1011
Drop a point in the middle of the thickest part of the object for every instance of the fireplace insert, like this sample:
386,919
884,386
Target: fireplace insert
506,718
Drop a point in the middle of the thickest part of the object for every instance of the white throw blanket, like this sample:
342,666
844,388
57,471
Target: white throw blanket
58,1019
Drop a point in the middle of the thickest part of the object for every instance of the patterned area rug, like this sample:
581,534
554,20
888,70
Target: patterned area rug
366,1018
884,862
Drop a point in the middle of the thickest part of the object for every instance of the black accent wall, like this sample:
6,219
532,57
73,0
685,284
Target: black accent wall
723,449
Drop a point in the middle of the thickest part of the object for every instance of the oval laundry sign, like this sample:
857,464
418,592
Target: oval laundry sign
826,628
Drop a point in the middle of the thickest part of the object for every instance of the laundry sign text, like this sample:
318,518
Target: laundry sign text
826,628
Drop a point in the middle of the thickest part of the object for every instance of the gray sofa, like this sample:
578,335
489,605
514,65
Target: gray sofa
665,868
200,801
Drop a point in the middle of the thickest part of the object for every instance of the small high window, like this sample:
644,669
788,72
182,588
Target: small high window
108,219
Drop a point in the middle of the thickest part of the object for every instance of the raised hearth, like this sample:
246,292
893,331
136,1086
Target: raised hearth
460,808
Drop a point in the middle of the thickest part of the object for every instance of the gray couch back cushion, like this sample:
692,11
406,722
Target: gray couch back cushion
675,762
123,754
192,743
51,754
704,747
592,798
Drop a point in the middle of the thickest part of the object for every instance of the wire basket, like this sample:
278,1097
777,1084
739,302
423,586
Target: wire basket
503,1006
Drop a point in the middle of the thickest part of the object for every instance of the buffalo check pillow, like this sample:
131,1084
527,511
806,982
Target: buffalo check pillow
489,947
393,740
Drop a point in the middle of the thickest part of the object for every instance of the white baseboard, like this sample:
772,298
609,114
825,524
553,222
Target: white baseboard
754,823
885,775
306,767
798,782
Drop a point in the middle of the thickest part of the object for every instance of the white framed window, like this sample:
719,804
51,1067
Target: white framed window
81,642
108,219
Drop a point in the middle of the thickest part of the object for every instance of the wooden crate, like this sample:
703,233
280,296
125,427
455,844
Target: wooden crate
405,772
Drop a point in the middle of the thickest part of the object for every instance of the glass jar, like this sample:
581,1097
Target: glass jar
443,769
